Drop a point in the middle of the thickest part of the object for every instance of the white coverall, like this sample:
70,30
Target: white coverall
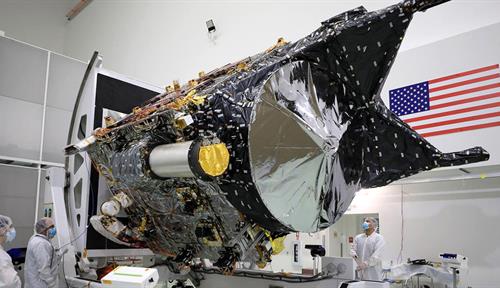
368,250
42,263
8,275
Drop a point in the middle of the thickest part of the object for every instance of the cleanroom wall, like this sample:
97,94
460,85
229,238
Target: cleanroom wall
443,216
160,41
37,92
41,23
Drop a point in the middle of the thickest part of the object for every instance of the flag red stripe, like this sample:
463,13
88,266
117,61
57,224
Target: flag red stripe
461,74
468,100
453,112
467,91
465,82
461,129
455,121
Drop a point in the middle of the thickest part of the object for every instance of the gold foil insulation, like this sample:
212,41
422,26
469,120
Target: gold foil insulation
214,159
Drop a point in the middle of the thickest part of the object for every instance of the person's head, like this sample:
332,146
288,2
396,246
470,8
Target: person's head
45,226
7,231
370,224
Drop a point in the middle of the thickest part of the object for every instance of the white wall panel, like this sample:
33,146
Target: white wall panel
17,194
56,133
42,23
65,77
22,71
20,129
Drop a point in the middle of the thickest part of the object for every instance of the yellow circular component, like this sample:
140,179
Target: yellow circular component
214,159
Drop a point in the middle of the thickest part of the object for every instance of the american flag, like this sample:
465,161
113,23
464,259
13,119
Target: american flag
455,103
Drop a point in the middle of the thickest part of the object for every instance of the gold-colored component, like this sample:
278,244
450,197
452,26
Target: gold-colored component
261,264
169,88
140,112
181,123
192,83
212,240
100,133
263,257
191,97
281,42
278,245
177,86
198,100
214,159
201,74
108,121
183,101
137,110
242,66
143,225
190,94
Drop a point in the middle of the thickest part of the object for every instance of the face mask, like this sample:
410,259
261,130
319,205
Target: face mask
365,225
10,235
52,232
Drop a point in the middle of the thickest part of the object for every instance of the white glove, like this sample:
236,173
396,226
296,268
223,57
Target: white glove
362,266
60,253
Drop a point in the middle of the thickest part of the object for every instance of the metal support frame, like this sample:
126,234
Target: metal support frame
40,155
79,176
55,184
79,187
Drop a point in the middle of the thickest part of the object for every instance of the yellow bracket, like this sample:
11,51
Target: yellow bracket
280,43
278,244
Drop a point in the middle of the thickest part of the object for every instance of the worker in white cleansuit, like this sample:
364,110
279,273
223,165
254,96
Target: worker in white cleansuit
366,250
42,260
8,275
